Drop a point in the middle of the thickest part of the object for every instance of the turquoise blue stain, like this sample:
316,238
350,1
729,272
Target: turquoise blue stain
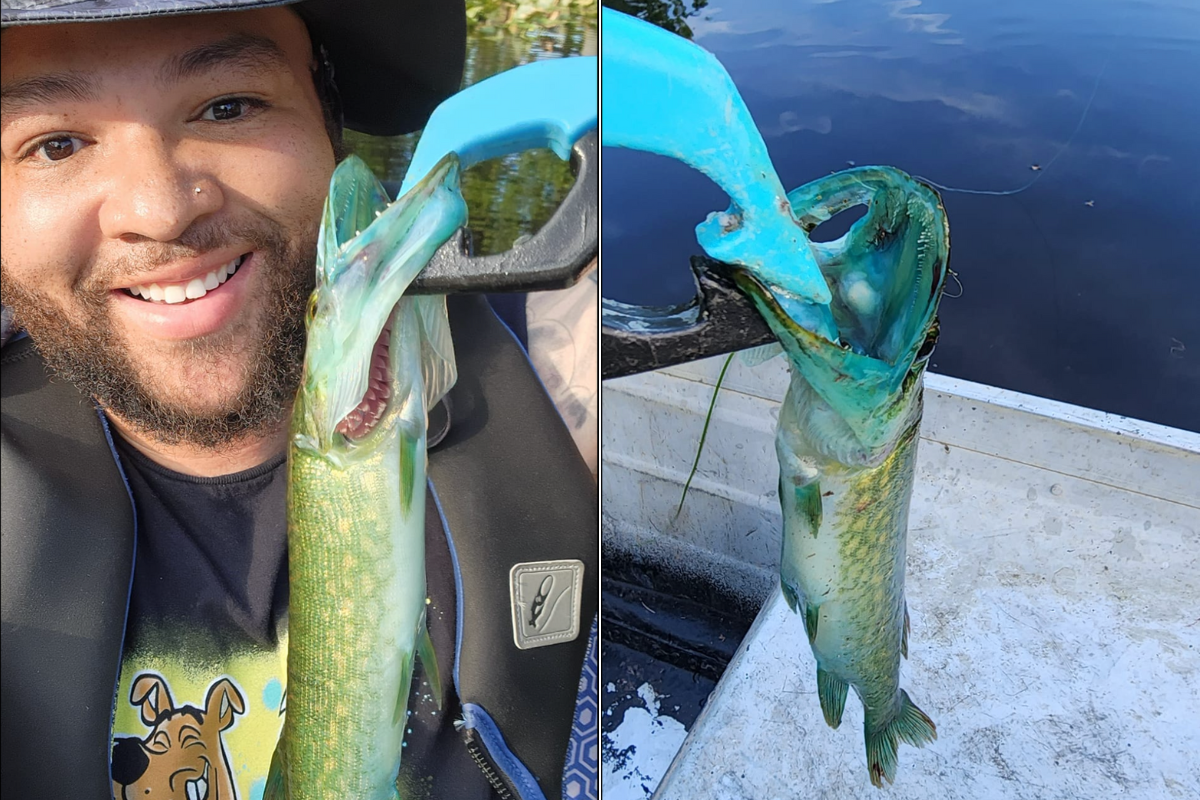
257,788
272,694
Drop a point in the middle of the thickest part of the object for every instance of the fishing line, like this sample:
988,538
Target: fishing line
995,193
954,275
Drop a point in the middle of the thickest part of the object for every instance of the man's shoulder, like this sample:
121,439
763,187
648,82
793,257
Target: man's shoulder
29,389
22,366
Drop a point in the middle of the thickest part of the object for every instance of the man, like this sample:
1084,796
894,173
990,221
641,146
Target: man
163,173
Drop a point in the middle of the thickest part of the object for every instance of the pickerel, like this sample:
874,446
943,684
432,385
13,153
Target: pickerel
376,361
847,442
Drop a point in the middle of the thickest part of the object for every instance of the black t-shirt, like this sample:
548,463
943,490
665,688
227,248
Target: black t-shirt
205,641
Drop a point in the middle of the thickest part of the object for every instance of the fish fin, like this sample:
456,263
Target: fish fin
832,691
754,356
406,670
275,788
408,471
792,596
812,614
904,637
438,368
910,725
808,503
429,661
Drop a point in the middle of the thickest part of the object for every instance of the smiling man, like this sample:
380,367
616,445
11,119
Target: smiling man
161,178
163,175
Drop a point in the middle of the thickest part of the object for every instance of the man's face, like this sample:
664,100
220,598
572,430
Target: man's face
152,157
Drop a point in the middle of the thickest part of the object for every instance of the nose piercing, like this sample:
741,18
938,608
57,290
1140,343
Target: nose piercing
198,190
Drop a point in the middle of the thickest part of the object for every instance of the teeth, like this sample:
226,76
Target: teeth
197,788
191,290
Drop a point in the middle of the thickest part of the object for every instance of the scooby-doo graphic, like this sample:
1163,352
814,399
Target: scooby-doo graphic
183,756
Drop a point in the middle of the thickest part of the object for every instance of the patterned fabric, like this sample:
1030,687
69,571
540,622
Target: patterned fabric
580,773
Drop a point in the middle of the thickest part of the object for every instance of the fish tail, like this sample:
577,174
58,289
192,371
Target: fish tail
910,724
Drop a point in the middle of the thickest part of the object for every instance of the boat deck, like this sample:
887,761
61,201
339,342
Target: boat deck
1052,582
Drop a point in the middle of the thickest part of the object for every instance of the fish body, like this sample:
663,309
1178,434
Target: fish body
375,363
847,441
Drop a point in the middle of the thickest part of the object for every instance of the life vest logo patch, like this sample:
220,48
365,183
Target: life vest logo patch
545,601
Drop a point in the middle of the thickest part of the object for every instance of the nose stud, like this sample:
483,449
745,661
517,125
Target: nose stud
198,190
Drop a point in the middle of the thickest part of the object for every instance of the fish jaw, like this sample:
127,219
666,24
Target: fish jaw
887,274
360,283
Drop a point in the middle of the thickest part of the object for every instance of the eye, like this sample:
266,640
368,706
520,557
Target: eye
161,743
56,148
231,108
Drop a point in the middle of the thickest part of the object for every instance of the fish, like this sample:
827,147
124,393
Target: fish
375,363
847,441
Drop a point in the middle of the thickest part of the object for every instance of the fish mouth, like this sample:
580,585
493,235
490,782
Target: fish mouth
364,417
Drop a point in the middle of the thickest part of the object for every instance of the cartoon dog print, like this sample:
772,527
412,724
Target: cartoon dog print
183,757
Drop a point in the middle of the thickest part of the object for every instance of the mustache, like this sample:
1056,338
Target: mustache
147,257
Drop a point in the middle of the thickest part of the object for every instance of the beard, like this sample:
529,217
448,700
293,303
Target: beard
255,364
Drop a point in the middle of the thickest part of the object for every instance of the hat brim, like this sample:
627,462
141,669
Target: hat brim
394,60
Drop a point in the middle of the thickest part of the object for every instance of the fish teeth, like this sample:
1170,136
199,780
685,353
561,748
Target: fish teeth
194,289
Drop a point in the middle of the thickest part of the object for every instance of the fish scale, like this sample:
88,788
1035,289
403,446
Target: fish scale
348,553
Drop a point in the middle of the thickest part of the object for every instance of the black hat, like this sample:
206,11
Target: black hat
395,60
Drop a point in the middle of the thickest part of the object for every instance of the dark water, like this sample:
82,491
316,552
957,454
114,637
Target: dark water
1085,287
515,195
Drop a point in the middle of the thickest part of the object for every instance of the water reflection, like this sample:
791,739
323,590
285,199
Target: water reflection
515,195
1082,287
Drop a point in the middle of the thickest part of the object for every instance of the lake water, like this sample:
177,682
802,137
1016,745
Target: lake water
1084,287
